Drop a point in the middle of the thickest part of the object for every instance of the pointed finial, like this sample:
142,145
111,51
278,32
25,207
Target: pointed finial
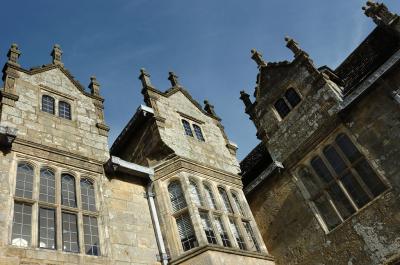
56,54
145,78
294,47
94,86
209,108
13,54
173,78
246,99
379,13
257,57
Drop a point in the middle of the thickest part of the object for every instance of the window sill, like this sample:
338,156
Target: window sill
55,251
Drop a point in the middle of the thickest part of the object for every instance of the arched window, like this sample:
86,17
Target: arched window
186,127
176,196
47,186
282,108
68,194
292,97
198,132
24,183
210,197
87,195
64,110
48,104
195,193
225,200
237,203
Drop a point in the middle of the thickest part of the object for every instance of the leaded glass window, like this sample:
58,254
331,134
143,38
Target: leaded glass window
225,200
48,104
287,102
186,232
210,197
24,183
237,203
195,193
176,196
198,132
47,191
64,110
208,230
87,195
70,232
22,225
187,128
91,235
236,234
47,228
251,236
222,231
68,194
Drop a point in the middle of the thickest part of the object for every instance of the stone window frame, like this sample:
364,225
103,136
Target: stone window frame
192,125
319,151
57,97
36,204
288,104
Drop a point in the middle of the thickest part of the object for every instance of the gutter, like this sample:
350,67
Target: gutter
264,174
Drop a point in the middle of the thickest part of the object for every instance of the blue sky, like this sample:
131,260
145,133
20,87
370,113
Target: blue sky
207,43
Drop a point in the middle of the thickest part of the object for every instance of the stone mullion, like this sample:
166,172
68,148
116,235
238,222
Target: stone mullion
79,214
58,210
214,228
35,207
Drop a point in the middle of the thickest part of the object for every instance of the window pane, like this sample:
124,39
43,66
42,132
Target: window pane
236,234
195,194
374,183
205,221
91,236
24,182
64,110
176,196
48,104
210,197
87,195
222,232
22,226
47,231
70,232
321,169
282,108
340,200
251,236
355,190
47,186
292,97
237,203
334,159
186,232
347,147
198,132
328,214
225,200
186,126
310,181
68,196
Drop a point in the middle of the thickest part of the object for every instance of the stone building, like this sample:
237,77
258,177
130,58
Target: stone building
324,183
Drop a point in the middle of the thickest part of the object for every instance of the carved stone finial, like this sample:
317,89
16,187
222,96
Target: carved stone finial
379,13
246,99
145,78
94,86
257,57
56,54
294,47
209,108
13,54
173,78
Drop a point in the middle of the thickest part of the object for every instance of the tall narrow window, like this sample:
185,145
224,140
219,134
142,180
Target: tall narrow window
187,128
24,183
225,200
176,196
195,193
236,234
210,197
205,221
91,235
251,236
70,232
47,228
292,97
48,104
64,110
87,195
22,225
198,132
282,108
47,191
68,195
237,203
222,231
186,232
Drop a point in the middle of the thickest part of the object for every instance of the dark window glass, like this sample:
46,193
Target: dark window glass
68,197
186,232
340,200
205,221
282,108
321,169
237,235
222,232
91,235
87,195
48,104
292,97
347,147
225,200
64,110
251,236
47,228
186,126
356,192
334,159
24,182
176,196
310,181
47,186
22,226
198,132
327,212
70,232
374,183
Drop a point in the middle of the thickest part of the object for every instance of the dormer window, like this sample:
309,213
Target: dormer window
188,129
286,103
196,128
198,132
48,104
